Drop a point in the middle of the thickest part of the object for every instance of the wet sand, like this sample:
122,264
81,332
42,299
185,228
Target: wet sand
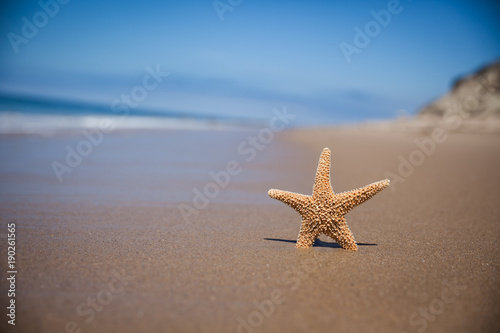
114,248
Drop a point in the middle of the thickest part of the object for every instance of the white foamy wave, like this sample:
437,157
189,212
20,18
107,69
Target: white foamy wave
50,124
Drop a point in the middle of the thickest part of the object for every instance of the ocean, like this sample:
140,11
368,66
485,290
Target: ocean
22,114
50,116
65,152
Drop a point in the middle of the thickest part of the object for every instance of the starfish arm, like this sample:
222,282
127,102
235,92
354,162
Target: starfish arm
342,235
322,186
295,200
307,236
349,200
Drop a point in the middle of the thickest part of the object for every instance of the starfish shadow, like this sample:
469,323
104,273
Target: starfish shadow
318,243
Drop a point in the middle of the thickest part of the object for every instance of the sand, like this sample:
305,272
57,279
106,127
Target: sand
110,250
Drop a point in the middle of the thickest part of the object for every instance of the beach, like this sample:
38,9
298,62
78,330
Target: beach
173,231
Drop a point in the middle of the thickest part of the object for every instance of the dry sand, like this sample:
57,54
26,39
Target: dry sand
108,250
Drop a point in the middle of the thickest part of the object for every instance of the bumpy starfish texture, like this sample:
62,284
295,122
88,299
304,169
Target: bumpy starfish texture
323,212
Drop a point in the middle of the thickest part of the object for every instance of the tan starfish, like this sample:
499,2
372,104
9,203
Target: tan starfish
323,212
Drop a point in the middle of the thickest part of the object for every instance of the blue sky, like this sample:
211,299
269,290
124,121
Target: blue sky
263,54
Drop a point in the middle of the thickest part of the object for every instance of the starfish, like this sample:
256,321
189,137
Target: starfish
323,212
